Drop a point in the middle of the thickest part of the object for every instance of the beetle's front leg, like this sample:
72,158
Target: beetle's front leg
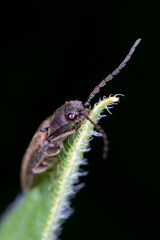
63,136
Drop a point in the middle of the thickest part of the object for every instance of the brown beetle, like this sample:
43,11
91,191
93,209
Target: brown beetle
47,142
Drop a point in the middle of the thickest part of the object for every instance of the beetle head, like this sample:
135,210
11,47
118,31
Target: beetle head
75,111
66,116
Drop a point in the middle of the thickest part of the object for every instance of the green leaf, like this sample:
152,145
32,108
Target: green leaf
39,213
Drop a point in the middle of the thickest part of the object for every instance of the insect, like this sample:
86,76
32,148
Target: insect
47,142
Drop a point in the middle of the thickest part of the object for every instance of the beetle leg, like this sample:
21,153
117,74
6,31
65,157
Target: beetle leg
46,164
56,160
63,136
52,173
43,167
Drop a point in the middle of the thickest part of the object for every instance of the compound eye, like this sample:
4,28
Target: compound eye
71,116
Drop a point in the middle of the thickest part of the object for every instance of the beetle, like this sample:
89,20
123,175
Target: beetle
47,142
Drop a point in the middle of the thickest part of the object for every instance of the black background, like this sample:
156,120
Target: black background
52,52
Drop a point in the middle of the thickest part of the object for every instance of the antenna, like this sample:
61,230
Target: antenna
111,75
105,148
